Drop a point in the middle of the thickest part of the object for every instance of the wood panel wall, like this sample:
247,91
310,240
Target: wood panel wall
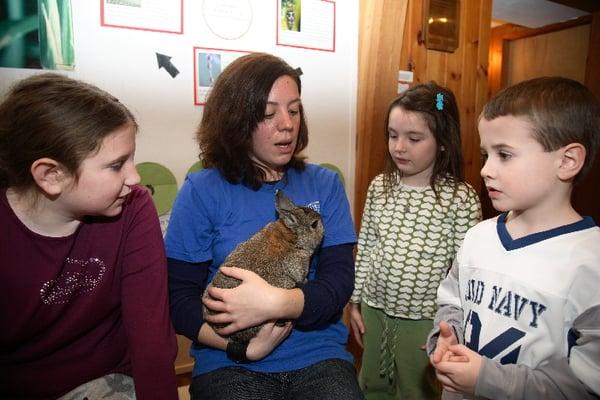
550,35
561,53
383,51
381,33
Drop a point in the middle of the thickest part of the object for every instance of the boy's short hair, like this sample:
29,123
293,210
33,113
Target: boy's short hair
560,110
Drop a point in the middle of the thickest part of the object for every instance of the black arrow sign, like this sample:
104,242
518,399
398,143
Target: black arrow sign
165,62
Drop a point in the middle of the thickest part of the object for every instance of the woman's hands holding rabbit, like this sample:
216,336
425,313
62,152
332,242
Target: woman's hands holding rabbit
251,303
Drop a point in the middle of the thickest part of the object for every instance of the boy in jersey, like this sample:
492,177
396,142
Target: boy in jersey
519,312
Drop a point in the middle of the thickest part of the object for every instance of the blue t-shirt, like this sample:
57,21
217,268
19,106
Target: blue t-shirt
211,217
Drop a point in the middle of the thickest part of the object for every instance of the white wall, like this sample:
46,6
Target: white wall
123,61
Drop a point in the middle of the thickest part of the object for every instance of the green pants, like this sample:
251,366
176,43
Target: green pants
410,376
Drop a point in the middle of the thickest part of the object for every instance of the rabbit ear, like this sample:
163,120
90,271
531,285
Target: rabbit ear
282,202
285,208
289,218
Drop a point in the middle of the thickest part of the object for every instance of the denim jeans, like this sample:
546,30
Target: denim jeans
328,380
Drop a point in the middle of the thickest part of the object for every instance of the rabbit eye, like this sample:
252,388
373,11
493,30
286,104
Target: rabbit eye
314,224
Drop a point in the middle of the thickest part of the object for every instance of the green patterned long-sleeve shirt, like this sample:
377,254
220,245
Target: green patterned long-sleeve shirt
406,244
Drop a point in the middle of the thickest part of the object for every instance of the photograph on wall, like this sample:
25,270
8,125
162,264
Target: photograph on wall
290,15
308,24
208,64
150,15
36,34
209,67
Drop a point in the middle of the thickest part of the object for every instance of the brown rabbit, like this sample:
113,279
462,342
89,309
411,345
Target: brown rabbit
280,253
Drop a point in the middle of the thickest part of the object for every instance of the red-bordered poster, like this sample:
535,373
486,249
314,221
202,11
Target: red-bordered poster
149,15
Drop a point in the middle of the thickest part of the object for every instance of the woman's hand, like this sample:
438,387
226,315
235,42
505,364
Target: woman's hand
267,339
251,303
357,323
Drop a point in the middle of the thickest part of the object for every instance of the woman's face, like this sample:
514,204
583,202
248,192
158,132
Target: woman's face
274,139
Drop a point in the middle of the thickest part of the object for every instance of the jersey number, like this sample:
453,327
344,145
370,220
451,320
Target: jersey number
495,346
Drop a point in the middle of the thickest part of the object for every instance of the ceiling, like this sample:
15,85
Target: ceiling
538,13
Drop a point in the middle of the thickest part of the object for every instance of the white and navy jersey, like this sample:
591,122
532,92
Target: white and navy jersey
530,301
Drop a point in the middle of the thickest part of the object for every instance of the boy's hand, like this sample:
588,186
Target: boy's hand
461,376
357,323
450,356
446,339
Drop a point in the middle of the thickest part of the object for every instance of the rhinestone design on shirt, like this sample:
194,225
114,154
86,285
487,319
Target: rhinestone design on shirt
79,276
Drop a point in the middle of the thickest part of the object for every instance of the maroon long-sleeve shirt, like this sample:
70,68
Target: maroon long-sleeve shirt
75,308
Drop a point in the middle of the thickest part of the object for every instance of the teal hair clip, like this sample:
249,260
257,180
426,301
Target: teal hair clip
439,101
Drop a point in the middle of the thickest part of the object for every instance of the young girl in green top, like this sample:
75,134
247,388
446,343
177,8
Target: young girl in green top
416,214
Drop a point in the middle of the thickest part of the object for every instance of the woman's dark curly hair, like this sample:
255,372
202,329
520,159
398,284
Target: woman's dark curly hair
235,105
